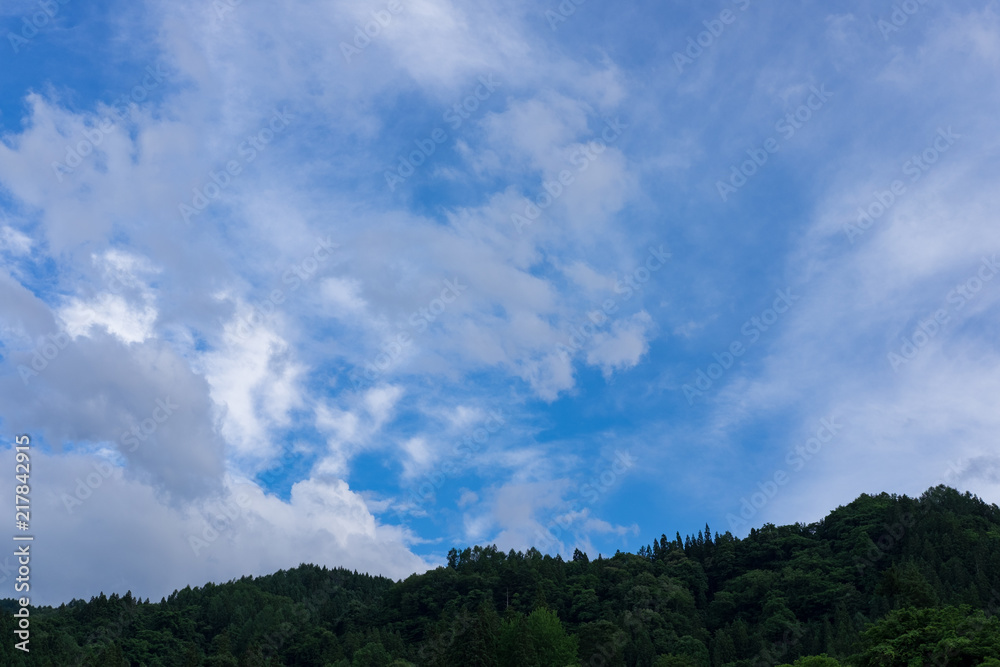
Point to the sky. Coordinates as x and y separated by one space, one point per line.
357 283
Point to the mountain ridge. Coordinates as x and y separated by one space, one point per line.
824 592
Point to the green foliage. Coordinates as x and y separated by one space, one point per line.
886 580
814 661
536 640
372 654
954 636
674 661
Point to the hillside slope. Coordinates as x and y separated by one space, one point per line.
922 570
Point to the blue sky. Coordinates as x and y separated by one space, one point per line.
566 275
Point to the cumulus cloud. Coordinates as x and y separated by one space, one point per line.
118 526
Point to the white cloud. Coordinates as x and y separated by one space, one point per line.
239 532
467 497
419 456
344 295
112 313
601 526
254 380
14 242
860 303
380 402
623 345
355 429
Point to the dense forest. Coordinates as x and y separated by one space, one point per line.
885 580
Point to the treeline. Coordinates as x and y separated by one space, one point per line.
886 580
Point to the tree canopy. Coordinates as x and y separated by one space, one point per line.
886 580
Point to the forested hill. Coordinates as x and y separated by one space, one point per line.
885 580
